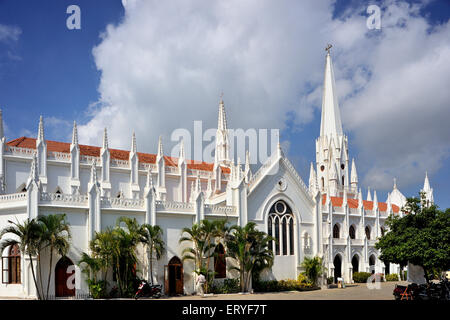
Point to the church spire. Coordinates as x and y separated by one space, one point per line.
222 120
331 119
222 152
429 198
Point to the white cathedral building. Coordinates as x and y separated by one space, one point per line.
94 186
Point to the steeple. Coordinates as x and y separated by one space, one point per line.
331 119
222 152
429 198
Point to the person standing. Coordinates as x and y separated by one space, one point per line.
201 280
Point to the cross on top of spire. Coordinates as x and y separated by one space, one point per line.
327 49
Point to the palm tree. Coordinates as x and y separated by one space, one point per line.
155 243
313 268
55 236
201 235
28 236
250 248
124 252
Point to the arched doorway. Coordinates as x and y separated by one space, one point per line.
220 264
337 267
62 276
355 263
372 264
173 277
386 267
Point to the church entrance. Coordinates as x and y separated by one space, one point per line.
386 267
355 263
62 277
173 277
372 264
337 267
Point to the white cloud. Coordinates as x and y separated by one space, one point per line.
166 63
9 33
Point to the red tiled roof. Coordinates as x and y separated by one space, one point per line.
55 146
353 203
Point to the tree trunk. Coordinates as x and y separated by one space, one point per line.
49 271
34 278
151 266
40 274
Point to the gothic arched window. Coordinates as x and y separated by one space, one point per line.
336 231
11 265
281 228
382 231
367 232
343 180
351 232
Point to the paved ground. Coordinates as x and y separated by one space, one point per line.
357 291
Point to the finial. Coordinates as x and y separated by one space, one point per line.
41 129
221 97
105 139
75 134
327 49
395 183
133 143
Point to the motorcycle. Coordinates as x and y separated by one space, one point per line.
431 291
147 290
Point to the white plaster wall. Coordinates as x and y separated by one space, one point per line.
58 176
120 181
17 173
109 217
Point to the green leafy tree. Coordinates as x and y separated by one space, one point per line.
28 238
56 237
421 237
249 247
313 268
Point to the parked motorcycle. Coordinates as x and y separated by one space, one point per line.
431 291
147 290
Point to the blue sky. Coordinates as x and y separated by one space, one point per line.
50 70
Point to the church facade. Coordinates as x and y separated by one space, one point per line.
94 186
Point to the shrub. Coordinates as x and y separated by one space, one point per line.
302 278
392 277
283 285
228 286
330 280
361 277
97 288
